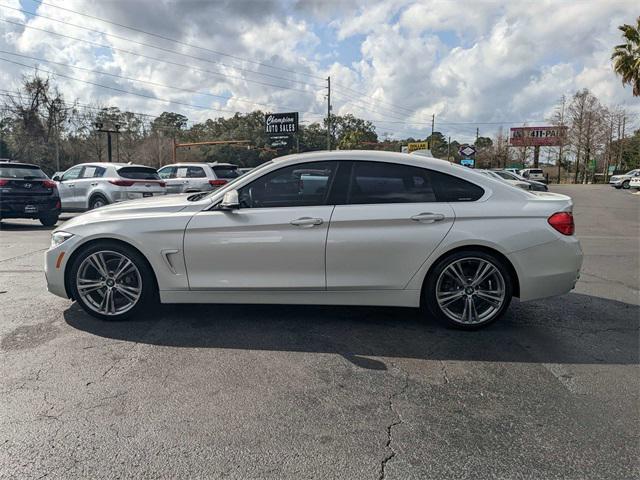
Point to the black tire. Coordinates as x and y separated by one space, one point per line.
149 290
625 184
97 201
49 220
431 284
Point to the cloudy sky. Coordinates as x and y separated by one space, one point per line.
472 63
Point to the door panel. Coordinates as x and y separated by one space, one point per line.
381 246
67 189
258 248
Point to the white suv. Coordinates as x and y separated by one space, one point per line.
92 185
533 174
197 177
624 180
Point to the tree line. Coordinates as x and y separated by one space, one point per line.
38 125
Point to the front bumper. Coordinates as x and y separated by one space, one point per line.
56 261
548 270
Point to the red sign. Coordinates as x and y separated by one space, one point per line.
537 136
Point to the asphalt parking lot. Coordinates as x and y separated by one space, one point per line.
284 392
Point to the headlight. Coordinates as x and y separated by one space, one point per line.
58 238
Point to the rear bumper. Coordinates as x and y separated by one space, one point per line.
548 270
25 207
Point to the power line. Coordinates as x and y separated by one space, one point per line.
141 81
168 50
410 110
255 62
99 45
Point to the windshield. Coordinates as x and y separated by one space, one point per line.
23 172
228 186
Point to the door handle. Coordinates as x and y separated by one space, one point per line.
94 184
306 222
428 217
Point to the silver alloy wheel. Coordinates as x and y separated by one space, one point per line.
470 290
109 282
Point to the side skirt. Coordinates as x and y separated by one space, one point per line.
392 298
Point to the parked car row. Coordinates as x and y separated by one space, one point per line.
27 192
508 176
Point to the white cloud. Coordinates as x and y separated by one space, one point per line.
465 61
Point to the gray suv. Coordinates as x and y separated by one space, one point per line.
92 185
197 177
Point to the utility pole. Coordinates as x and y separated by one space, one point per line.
99 128
477 134
449 149
562 137
433 124
329 113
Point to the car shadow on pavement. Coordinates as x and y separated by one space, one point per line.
574 328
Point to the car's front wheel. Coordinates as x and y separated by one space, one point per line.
625 184
112 281
468 289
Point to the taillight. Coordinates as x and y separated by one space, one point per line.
122 183
563 222
162 184
58 204
49 184
3 182
217 183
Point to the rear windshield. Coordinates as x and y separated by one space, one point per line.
139 173
226 172
24 172
535 170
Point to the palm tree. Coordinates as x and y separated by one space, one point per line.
626 57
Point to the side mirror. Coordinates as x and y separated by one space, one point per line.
230 201
57 178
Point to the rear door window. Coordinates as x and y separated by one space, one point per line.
195 172
92 171
377 182
139 173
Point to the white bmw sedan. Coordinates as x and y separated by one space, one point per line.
339 228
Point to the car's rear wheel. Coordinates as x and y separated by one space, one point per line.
468 289
49 220
97 201
112 281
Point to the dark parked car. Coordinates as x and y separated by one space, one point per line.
27 192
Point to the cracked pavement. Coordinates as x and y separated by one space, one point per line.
277 392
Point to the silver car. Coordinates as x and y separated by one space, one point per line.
197 177
92 185
622 181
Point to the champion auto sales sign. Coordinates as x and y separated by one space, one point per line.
281 123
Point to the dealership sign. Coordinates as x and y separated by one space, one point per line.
413 146
537 136
281 123
468 162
